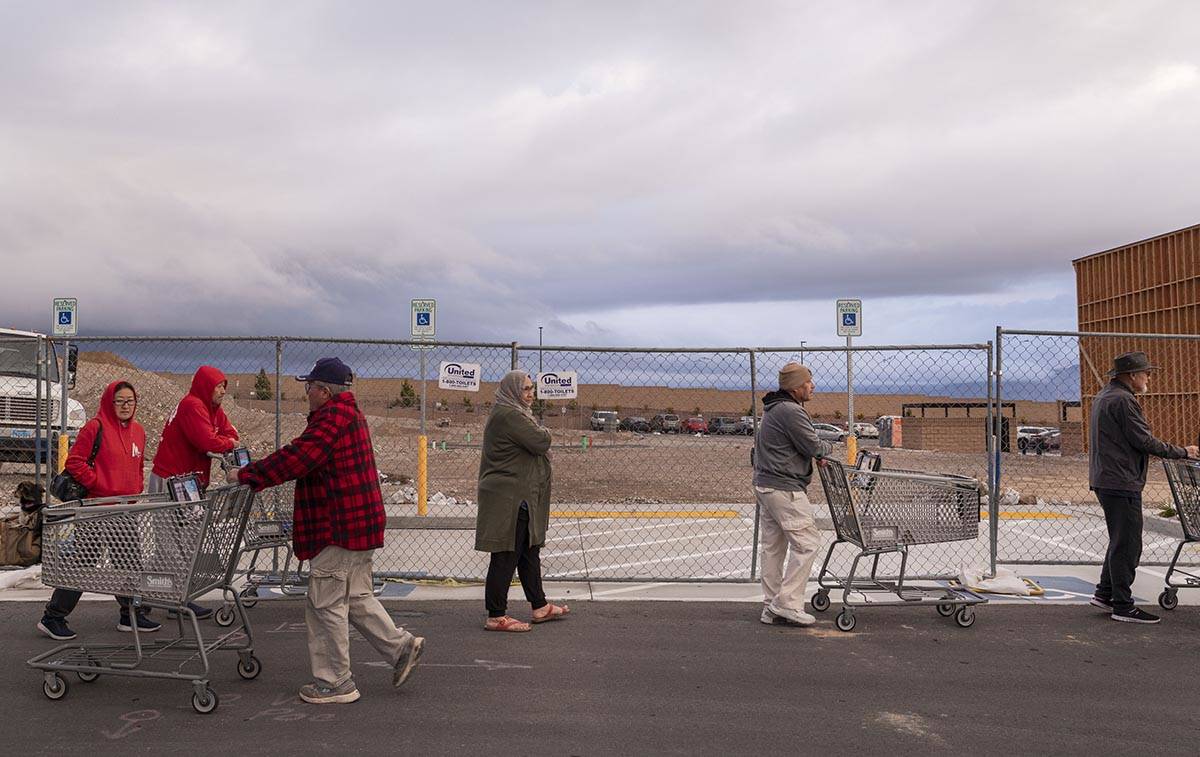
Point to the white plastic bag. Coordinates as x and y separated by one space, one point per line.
27 578
1005 582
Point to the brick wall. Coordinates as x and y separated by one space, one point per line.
946 434
1072 438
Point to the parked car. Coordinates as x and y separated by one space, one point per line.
745 425
1038 439
695 425
866 431
635 423
667 423
830 433
604 420
722 425
1027 436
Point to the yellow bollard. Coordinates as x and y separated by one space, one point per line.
64 444
422 475
851 449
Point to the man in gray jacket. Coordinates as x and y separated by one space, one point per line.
784 451
1119 448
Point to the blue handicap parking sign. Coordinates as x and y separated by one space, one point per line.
848 319
422 319
64 318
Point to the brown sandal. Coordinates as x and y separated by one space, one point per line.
556 612
507 625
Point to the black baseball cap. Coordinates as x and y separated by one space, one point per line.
331 370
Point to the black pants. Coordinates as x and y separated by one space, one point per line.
1123 516
526 560
63 601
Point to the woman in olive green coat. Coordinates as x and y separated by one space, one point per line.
514 504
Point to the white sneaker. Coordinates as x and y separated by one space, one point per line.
799 617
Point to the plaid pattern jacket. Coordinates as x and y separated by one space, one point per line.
338 500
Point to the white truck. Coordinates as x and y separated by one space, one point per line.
20 438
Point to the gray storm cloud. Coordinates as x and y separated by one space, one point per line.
309 167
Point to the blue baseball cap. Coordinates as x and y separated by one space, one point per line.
331 370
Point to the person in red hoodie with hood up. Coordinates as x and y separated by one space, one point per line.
116 471
198 426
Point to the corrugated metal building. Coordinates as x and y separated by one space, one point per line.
1150 287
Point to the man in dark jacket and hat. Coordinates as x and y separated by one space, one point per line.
1119 448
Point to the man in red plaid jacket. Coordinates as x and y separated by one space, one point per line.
338 524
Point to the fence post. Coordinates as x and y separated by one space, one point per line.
754 426
994 503
278 381
39 442
514 356
990 445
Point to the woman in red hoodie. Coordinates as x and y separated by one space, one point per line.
198 426
116 471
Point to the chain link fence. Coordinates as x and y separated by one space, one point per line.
933 407
1046 384
652 471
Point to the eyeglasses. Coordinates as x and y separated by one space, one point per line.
124 403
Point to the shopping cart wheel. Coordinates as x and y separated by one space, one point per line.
820 601
845 621
204 702
1169 599
54 686
224 616
88 676
965 617
249 668
249 596
946 609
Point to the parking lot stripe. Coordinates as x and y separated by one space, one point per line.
589 550
645 514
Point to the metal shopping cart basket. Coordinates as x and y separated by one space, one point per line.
268 535
1184 478
884 512
159 553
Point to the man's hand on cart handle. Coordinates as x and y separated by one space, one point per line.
1193 451
231 475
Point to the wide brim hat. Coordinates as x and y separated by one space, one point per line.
1131 362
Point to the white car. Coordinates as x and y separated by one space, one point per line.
827 432
866 431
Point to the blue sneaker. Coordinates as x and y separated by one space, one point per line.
144 624
56 628
201 612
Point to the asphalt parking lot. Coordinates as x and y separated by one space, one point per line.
654 678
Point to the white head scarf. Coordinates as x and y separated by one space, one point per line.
508 393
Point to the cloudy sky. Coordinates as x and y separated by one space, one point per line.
687 173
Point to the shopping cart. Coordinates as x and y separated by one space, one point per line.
159 553
886 512
1184 478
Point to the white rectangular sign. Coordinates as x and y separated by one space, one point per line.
66 316
462 377
558 385
424 317
849 317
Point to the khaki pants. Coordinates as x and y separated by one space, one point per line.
786 520
340 595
